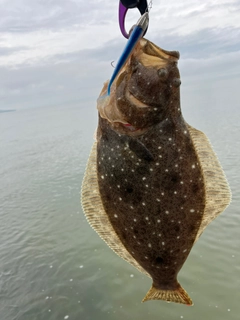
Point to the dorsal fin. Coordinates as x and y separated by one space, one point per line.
96 215
218 194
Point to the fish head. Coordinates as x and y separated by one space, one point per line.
145 92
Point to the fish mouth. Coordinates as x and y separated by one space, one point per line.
111 107
148 53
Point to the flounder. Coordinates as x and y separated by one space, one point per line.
152 182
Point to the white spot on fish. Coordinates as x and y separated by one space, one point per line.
143 203
134 219
162 193
131 207
158 200
167 212
192 210
102 177
158 221
166 170
163 243
115 215
144 178
146 257
178 237
118 186
146 185
157 163
176 165
170 139
193 166
175 192
159 147
184 250
147 218
149 245
120 198
181 182
185 132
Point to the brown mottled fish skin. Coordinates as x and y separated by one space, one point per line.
150 178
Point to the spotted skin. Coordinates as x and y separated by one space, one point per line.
154 206
153 183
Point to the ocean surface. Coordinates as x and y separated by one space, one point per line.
53 266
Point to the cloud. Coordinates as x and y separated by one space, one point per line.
56 52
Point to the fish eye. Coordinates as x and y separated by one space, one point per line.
162 72
176 82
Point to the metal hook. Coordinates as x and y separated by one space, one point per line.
124 5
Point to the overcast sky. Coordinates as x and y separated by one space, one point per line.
56 52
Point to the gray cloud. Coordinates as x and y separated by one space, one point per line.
28 15
5 51
209 56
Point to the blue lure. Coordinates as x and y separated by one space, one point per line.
137 32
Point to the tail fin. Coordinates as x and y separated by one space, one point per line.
179 295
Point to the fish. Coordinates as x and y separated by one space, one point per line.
152 182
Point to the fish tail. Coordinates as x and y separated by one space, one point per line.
179 295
